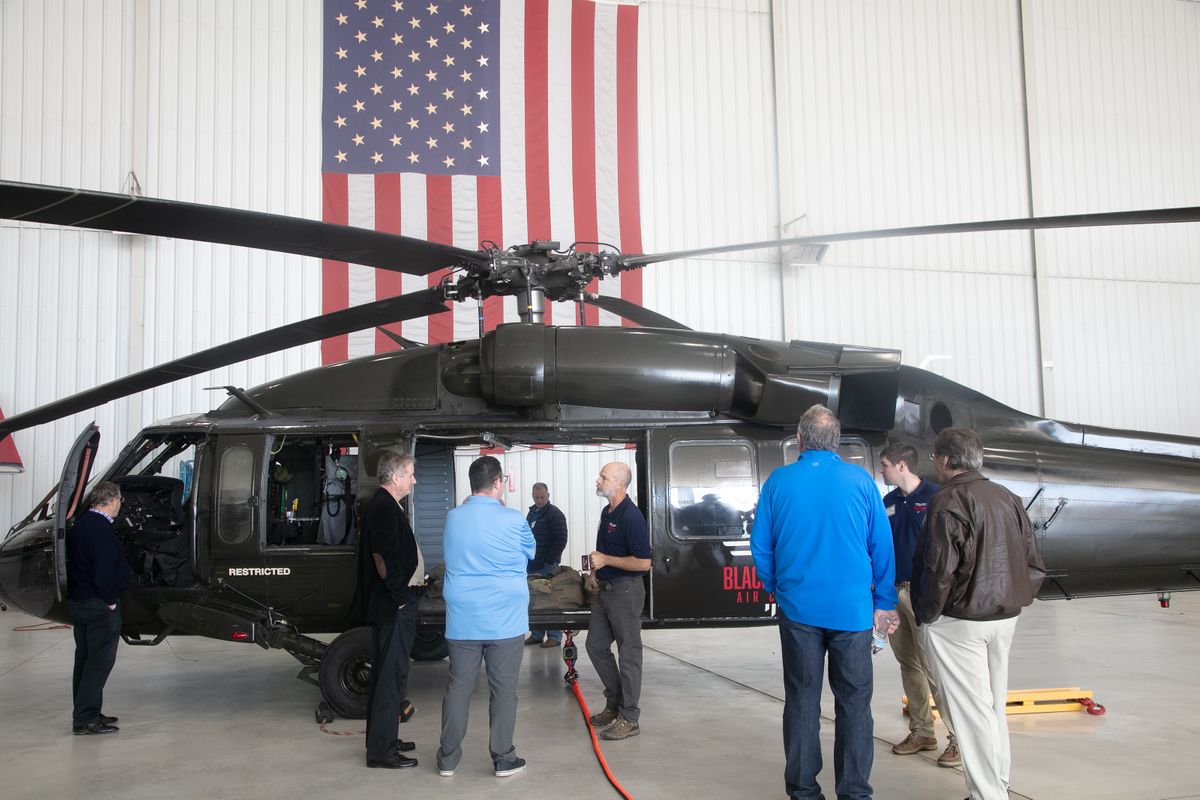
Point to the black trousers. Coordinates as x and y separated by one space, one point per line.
394 636
97 632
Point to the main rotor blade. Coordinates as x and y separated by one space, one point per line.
394 309
633 312
1146 217
202 223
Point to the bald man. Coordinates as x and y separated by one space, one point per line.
622 556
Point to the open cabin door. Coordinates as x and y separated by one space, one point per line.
706 485
69 503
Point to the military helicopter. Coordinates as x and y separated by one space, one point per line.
239 522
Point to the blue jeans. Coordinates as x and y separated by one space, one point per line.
850 677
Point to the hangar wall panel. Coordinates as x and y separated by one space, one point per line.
65 296
963 325
898 114
1114 109
708 168
214 102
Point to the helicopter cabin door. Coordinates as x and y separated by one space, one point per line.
70 501
700 525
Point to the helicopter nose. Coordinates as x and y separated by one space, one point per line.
27 578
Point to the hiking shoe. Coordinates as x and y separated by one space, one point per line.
548 643
950 756
513 769
621 729
606 717
915 743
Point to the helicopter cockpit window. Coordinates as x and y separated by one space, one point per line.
312 482
852 450
713 489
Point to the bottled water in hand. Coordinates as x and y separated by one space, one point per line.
879 640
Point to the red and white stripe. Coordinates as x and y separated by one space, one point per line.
569 172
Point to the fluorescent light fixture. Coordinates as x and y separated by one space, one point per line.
806 254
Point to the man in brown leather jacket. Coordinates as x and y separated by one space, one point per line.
975 568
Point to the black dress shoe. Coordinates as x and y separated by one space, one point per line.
107 720
393 761
94 729
401 746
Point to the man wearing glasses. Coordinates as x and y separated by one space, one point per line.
976 567
486 549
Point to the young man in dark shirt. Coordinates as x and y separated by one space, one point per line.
907 506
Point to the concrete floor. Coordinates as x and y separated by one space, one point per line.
209 719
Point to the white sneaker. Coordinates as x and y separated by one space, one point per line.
446 773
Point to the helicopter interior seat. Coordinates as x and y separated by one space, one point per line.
152 526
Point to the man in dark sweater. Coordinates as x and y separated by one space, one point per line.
549 526
97 573
392 573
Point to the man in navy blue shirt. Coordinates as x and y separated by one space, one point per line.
549 526
97 573
822 547
906 507
621 557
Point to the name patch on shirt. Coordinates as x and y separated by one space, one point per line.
891 511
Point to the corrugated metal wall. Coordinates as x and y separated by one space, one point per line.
756 118
212 102
1114 113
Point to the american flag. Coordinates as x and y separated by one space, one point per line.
499 121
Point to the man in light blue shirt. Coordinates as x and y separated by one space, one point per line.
486 548
823 546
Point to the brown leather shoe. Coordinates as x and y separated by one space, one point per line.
604 718
950 756
914 744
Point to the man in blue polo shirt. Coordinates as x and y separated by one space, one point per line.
621 557
486 548
821 544
906 506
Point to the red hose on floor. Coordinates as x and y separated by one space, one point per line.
596 742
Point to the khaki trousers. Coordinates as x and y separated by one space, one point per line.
914 671
969 659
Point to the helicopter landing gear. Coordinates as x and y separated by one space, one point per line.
345 673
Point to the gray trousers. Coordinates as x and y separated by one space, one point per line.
503 659
617 617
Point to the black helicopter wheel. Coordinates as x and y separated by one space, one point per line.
345 673
430 645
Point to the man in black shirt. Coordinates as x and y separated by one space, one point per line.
392 572
97 573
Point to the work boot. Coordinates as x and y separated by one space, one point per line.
950 756
915 743
604 718
621 729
